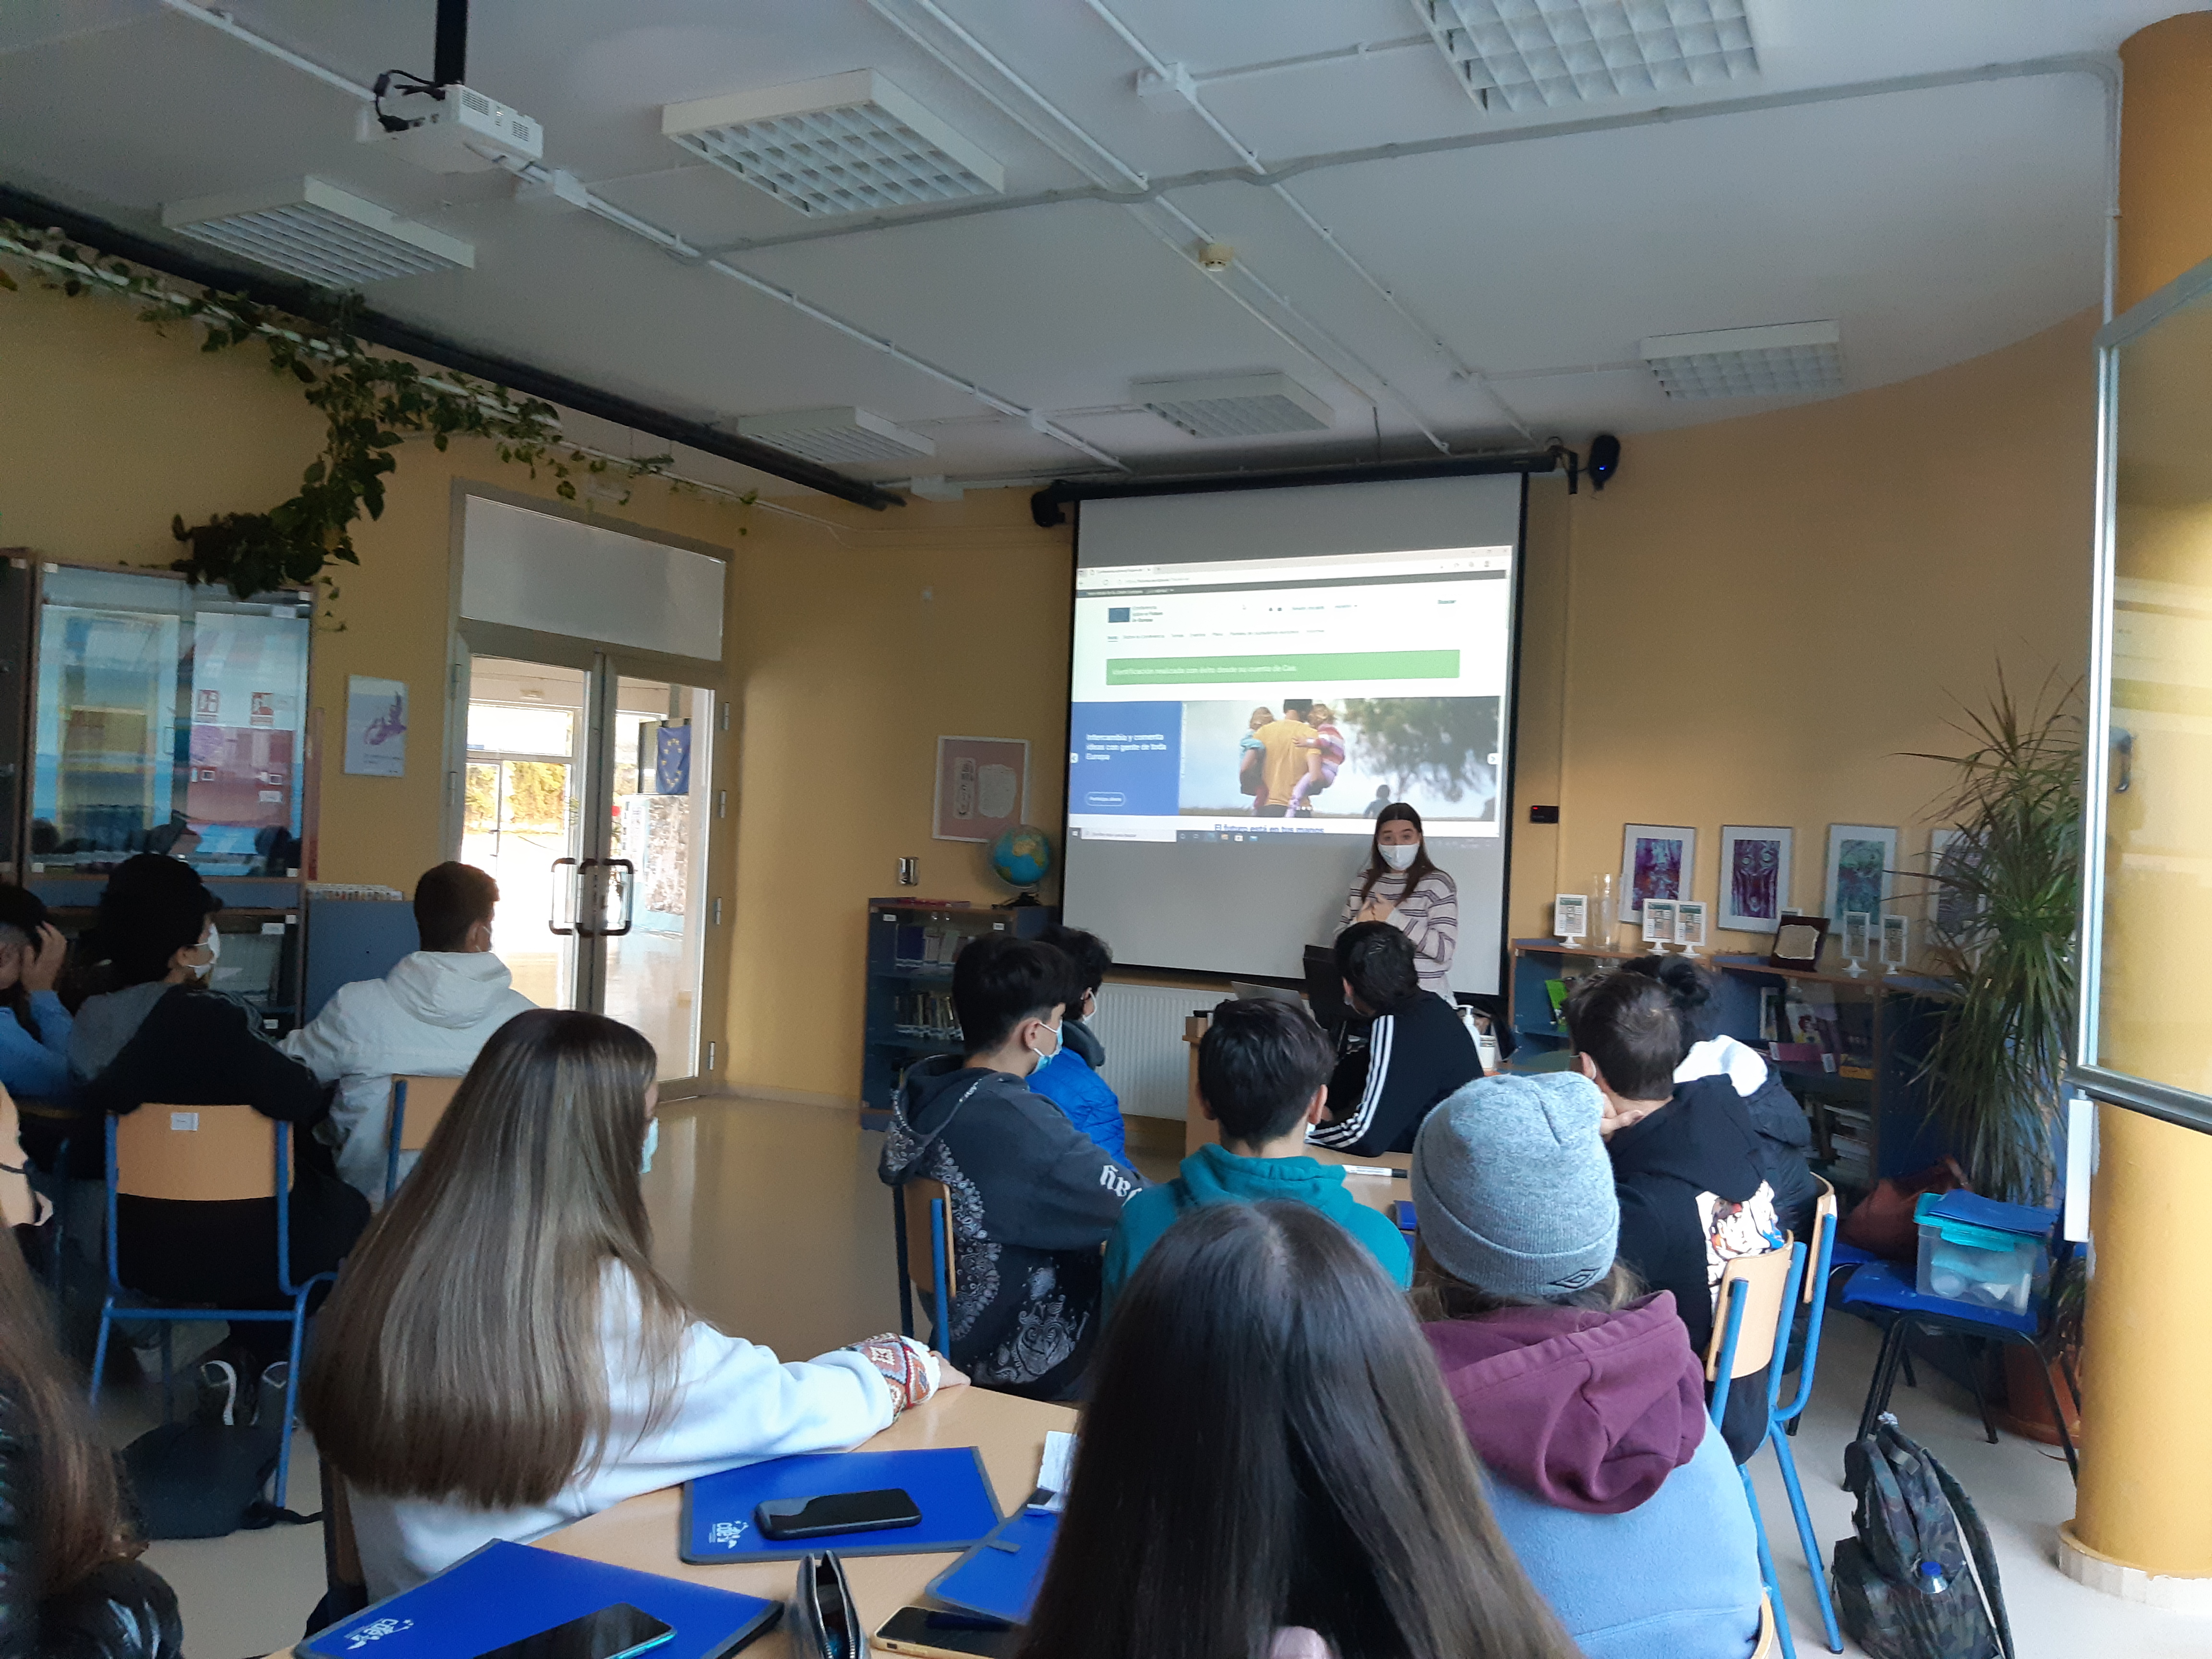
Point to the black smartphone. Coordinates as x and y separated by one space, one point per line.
931 1633
837 1511
612 1632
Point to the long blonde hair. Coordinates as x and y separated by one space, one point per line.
460 1357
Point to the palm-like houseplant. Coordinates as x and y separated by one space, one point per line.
2009 890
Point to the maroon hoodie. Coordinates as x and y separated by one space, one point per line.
1584 1410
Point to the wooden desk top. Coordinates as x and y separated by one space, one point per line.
640 1532
1376 1191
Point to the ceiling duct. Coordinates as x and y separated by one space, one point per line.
1514 55
836 436
1787 360
845 143
313 230
1236 405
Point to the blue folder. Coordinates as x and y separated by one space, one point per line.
947 1483
1000 1576
505 1592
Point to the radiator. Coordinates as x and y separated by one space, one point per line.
1147 1062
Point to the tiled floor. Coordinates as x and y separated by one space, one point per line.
770 1217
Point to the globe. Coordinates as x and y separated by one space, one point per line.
1022 856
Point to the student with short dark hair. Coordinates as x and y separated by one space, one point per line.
1688 1171
1033 1197
1269 1466
1580 1397
1418 1051
1070 1079
1712 1060
1263 1072
429 1017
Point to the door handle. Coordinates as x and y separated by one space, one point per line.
584 870
553 920
629 895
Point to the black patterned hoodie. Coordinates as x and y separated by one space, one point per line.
1033 1199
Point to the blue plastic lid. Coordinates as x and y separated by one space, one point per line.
1978 1212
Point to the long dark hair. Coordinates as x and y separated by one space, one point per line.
1376 869
76 1512
1268 1444
460 1358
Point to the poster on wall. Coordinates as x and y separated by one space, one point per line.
1861 868
376 727
982 787
1657 860
1754 876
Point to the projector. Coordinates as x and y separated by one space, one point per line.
453 129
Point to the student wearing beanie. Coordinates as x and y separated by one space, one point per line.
1579 1394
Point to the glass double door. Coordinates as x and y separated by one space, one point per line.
585 798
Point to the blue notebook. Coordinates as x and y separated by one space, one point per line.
1001 1575
505 1592
947 1483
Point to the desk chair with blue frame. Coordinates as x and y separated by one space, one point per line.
203 1155
419 1104
1758 1300
921 1228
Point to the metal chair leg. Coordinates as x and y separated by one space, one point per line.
1910 1381
100 1348
1811 1543
906 1283
1766 1567
1974 1357
2057 1416
283 1499
1884 1378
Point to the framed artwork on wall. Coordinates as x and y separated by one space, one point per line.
1861 868
1949 910
1657 860
1754 876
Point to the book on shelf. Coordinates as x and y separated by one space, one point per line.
1557 990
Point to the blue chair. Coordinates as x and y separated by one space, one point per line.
923 1229
1758 1298
1782 1420
203 1154
429 1096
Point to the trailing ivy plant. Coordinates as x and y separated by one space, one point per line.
371 403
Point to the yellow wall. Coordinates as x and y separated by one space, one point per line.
1764 614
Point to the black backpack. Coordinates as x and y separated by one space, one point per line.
1911 1510
203 1480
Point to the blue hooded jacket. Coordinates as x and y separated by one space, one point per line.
1069 1083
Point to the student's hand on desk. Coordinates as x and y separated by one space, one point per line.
946 1377
42 962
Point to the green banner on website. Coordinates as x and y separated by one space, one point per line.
1307 665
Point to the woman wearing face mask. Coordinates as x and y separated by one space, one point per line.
1399 886
1033 1197
158 1034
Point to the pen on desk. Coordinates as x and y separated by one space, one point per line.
1382 1170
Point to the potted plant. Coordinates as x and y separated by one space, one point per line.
2009 905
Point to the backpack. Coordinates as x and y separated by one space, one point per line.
1911 1510
202 1481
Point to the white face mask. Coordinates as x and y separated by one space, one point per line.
1400 858
213 946
652 1145
1042 1057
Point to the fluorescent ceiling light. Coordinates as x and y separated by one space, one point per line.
845 143
1789 360
306 228
1236 405
834 436
1536 54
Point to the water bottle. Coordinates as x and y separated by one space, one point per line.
1932 1582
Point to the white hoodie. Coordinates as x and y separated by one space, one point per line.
428 1016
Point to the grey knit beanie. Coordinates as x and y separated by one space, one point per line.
1512 1188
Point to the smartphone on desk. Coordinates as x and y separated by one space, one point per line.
784 1518
612 1632
933 1633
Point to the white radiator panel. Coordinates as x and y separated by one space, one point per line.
1147 1062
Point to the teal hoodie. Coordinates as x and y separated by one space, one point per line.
1214 1174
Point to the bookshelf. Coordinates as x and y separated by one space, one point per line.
1858 1081
911 946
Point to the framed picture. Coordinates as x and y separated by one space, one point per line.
1570 915
1659 921
1797 942
1657 861
1948 910
1895 941
982 787
1754 876
1861 868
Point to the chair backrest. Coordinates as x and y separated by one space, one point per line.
1765 1279
202 1154
920 1260
427 1100
1770 1638
1825 1214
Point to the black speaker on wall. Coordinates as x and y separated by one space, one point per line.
1604 459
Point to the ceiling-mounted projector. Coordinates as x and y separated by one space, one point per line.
450 129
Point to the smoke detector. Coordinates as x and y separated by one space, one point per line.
1236 406
833 436
312 229
1787 360
842 144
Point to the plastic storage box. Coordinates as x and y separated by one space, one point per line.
1978 1251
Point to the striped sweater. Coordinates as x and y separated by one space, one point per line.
1429 915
